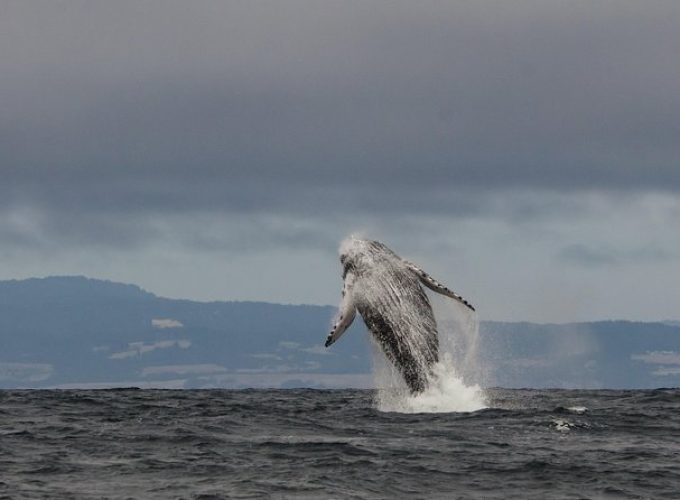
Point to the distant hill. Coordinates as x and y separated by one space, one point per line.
80 332
602 354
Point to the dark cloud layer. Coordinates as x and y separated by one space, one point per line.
118 116
156 97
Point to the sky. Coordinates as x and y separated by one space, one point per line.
525 153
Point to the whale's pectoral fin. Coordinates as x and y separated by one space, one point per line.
346 313
345 318
436 286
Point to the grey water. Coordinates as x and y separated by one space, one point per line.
336 444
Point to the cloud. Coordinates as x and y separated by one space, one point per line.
665 372
266 355
116 115
658 357
139 348
156 107
317 349
163 323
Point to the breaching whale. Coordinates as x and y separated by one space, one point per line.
387 292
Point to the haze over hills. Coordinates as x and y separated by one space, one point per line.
80 332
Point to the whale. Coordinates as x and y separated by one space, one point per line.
388 293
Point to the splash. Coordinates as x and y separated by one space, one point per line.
455 382
447 392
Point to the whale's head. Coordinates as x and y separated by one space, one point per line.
358 255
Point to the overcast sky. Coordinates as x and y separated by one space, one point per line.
525 153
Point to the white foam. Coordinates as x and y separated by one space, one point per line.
447 392
562 425
454 383
579 410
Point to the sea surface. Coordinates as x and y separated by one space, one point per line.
335 444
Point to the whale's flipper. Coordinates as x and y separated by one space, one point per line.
435 286
346 312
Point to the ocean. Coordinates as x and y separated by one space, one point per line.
205 444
